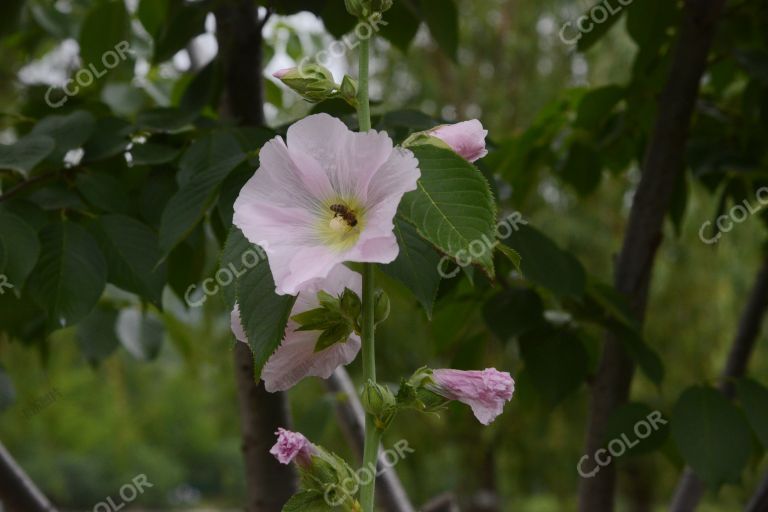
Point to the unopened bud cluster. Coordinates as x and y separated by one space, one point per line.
363 8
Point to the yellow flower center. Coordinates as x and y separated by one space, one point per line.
341 224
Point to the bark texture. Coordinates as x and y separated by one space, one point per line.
17 492
690 489
269 484
663 163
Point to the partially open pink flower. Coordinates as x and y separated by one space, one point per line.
296 357
327 196
292 446
466 138
485 391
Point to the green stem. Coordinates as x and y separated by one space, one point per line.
372 433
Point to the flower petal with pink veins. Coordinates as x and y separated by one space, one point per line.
327 196
296 358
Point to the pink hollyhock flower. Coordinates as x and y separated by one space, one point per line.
292 446
296 357
326 196
485 391
466 138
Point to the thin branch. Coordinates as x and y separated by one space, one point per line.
17 491
759 502
690 489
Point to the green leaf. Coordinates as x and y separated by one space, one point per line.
7 390
642 429
587 39
402 25
217 148
69 131
596 105
754 398
26 153
153 154
110 138
204 88
237 256
188 206
165 119
647 22
141 334
104 27
97 335
308 501
263 313
337 333
545 264
104 192
186 264
582 168
452 207
442 18
133 256
416 265
514 312
712 435
182 23
556 363
22 248
152 13
70 275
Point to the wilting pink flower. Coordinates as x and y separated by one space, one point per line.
292 446
485 391
296 357
466 138
327 196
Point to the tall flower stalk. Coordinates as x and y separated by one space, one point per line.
372 433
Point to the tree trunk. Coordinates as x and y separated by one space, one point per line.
17 492
663 163
269 484
389 490
690 489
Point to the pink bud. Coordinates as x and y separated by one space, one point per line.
466 138
292 445
279 74
485 391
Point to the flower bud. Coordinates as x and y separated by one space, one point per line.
312 81
348 90
362 9
350 304
379 402
381 307
466 138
